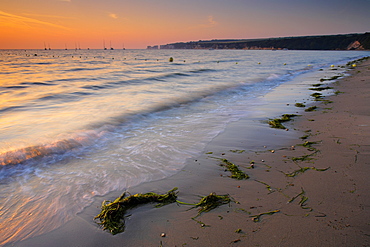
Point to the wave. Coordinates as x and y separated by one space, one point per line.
24 154
146 80
14 87
98 129
38 83
81 69
10 108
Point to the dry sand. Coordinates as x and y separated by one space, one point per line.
313 208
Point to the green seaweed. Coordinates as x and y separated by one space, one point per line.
338 92
202 224
331 78
302 158
304 137
320 88
269 188
304 169
317 96
112 215
212 201
295 197
317 85
300 105
277 122
308 145
312 108
302 202
236 173
257 217
237 151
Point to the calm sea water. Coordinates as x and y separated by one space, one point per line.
77 124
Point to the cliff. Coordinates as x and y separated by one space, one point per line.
324 42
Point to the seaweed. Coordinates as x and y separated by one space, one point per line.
317 96
277 122
303 200
317 85
212 201
269 188
308 145
300 105
331 78
112 215
237 151
257 217
338 92
320 88
312 108
236 173
302 158
304 169
304 137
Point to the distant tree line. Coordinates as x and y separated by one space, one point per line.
325 42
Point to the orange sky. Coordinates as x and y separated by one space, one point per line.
28 24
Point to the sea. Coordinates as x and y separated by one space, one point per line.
78 124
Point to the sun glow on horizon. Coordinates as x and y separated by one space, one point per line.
28 24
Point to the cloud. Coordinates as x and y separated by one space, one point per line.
25 21
48 16
209 23
114 16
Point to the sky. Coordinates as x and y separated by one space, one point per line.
135 24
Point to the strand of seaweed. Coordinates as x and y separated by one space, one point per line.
113 214
236 173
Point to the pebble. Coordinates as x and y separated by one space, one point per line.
163 234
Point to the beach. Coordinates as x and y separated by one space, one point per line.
308 185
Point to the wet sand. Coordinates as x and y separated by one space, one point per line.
324 202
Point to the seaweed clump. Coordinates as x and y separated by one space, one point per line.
300 105
277 122
320 88
331 78
212 201
311 108
317 96
234 169
112 215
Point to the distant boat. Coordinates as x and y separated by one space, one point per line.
104 45
123 47
110 44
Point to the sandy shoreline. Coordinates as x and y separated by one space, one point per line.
326 208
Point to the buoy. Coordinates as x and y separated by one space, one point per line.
259 63
171 59
284 63
332 65
236 63
354 65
